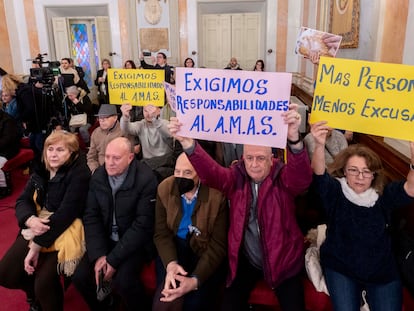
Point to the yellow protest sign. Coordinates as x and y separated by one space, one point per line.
138 87
366 97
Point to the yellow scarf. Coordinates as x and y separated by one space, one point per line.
70 245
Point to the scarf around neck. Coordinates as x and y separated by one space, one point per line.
367 198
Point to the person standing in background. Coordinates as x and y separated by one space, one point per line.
102 82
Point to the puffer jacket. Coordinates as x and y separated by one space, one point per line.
281 239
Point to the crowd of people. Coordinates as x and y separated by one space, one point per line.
215 217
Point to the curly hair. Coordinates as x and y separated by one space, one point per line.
10 82
373 161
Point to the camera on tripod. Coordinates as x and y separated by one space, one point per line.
46 72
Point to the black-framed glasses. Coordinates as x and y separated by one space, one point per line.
353 171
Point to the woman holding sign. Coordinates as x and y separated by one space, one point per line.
357 253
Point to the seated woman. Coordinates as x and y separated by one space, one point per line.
48 211
357 253
78 103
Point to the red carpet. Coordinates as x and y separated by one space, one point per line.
15 300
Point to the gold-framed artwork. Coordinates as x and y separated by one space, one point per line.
344 21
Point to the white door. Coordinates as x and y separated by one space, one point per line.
87 41
228 35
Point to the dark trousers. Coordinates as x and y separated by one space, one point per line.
203 299
43 286
126 283
289 294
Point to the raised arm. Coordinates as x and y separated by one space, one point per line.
409 184
174 127
319 131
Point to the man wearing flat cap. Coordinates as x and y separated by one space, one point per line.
108 129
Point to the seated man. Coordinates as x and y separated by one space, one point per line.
108 129
119 228
191 238
155 139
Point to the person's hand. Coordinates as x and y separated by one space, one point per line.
313 56
75 101
125 109
100 264
319 132
187 284
152 112
38 225
174 127
173 269
293 119
31 259
331 40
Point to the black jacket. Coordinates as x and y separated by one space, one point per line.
168 71
134 209
9 136
64 195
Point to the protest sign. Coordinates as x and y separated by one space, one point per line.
170 95
313 43
234 106
366 97
137 87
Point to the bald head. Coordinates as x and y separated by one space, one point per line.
118 155
184 169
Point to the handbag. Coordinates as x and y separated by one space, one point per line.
78 120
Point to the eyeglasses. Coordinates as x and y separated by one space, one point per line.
259 159
353 171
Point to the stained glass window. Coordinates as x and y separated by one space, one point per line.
80 49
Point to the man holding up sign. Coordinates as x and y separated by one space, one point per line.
264 240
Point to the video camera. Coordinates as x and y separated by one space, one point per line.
46 72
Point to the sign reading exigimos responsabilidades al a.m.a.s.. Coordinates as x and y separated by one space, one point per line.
138 87
234 106
366 97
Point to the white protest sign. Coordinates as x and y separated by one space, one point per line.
233 106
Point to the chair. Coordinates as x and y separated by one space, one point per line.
314 301
24 157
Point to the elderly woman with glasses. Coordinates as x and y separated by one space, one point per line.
357 253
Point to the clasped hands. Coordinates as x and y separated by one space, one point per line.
177 283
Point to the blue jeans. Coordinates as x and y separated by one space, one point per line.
346 293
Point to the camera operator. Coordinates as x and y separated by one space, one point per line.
38 103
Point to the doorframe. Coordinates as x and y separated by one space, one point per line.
43 22
199 7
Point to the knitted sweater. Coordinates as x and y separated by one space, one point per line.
357 243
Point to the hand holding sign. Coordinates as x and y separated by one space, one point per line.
125 109
174 126
293 120
320 132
